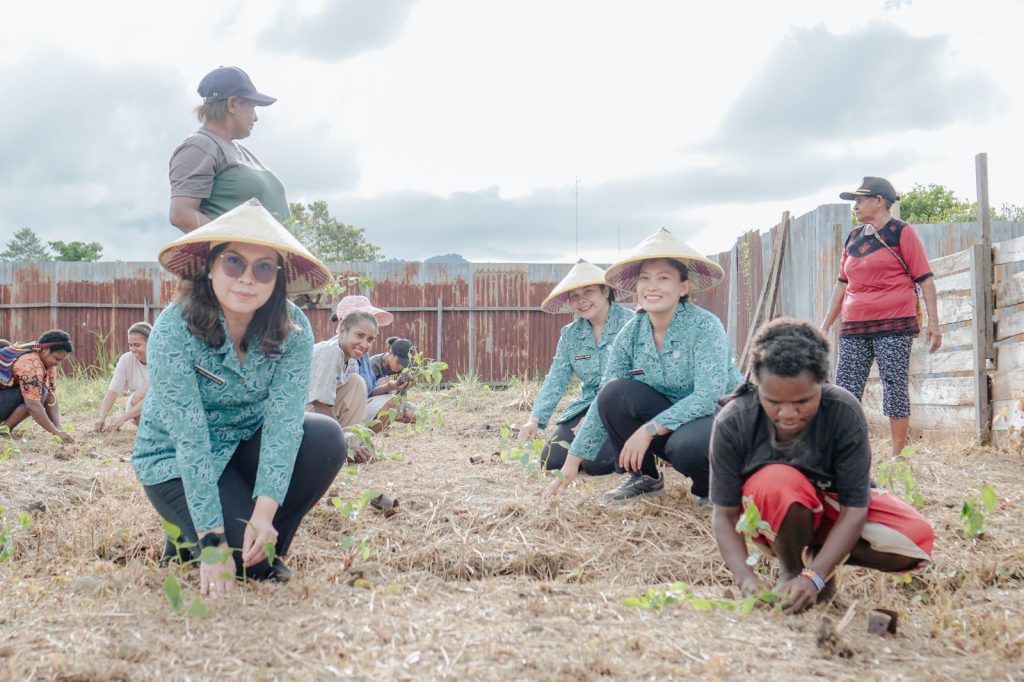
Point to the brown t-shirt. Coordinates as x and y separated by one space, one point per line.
833 451
202 157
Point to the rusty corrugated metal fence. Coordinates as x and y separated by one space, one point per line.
481 318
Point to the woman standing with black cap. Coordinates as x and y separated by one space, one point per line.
210 173
883 264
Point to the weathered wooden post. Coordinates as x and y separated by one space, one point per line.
982 279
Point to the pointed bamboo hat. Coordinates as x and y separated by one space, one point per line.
704 273
249 223
582 274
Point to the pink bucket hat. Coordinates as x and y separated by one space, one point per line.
351 304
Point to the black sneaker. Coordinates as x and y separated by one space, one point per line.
636 485
280 573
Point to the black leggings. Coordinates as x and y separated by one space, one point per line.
555 454
626 404
318 461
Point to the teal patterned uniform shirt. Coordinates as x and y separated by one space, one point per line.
580 354
693 369
191 425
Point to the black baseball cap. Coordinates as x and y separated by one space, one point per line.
230 81
872 187
400 348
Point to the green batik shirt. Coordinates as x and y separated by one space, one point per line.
578 353
191 425
693 369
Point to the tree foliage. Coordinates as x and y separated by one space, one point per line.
328 238
938 204
77 251
25 246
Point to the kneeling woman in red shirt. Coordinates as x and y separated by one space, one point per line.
797 447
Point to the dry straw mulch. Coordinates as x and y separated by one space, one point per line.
476 577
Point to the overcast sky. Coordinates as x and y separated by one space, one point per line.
462 125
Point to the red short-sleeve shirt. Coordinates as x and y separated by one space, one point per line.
878 289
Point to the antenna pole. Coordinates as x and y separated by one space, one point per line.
577 217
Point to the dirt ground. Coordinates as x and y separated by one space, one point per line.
476 577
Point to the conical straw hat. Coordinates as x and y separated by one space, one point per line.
703 272
582 274
249 223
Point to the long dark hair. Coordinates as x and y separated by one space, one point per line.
270 324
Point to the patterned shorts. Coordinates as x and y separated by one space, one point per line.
857 353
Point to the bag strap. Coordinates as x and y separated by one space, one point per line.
894 254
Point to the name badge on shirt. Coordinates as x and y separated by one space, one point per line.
208 374
583 357
636 372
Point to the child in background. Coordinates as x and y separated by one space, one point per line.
392 385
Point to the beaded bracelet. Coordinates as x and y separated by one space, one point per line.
812 575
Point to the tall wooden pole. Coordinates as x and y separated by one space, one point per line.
982 280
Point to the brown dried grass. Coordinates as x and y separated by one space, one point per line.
477 577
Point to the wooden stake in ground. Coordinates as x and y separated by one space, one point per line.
769 299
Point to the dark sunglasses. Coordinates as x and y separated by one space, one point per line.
264 270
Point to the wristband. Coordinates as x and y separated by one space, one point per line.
212 540
812 575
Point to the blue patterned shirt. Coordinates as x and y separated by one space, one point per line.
693 369
580 354
191 425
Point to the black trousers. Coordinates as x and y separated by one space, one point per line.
626 404
318 461
10 400
554 454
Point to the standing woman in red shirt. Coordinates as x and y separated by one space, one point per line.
883 263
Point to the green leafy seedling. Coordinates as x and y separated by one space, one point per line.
750 525
172 588
678 593
972 513
989 498
198 608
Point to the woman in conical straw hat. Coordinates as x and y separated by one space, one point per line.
665 373
582 349
225 451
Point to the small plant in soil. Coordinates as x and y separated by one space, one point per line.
357 543
749 526
8 534
678 593
897 476
972 512
197 608
530 455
